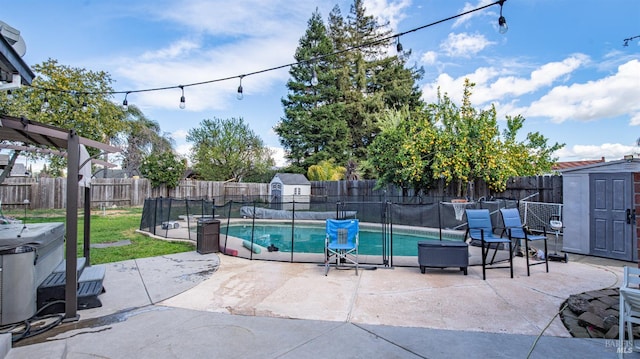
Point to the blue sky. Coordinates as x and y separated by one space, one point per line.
562 64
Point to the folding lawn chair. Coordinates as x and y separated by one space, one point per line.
341 242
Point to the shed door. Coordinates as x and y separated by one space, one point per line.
276 195
611 195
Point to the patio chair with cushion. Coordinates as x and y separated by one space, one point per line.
480 229
341 243
516 230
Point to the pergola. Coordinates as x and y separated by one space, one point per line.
37 137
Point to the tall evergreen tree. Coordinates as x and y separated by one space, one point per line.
312 129
358 80
375 80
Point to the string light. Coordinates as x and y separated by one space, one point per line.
84 106
314 78
240 95
182 102
626 41
502 22
125 103
9 95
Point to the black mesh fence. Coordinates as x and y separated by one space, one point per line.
294 231
163 216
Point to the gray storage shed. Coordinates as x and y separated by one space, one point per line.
600 203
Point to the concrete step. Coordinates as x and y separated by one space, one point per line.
89 288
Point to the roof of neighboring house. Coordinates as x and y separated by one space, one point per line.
292 179
561 166
624 165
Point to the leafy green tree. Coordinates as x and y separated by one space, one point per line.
69 98
403 153
228 150
163 168
140 138
326 170
456 144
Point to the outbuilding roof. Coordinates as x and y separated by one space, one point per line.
292 179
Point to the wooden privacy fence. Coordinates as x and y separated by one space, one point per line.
48 193
535 188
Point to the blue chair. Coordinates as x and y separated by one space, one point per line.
514 227
341 242
480 229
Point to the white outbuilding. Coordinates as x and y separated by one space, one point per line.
286 188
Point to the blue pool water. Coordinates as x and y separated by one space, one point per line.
310 239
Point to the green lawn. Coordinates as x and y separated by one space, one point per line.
111 225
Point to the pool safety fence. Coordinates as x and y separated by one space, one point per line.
385 223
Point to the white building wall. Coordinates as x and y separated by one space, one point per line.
575 213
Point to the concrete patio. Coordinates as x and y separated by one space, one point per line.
190 305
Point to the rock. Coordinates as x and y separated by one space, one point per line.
609 300
613 312
609 322
595 333
569 314
578 304
612 333
598 308
588 319
579 332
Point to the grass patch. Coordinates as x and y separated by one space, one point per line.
108 226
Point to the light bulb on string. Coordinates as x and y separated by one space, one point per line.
182 99
84 106
314 78
9 95
398 45
502 22
240 94
125 103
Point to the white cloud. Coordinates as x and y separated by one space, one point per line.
254 18
612 96
204 65
543 76
610 151
464 45
278 155
184 150
179 134
493 84
468 7
429 57
388 10
180 49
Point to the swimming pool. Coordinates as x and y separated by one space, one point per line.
310 238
